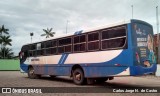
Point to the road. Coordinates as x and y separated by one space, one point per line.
17 79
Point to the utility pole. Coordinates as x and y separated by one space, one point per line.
132 11
31 34
158 46
67 26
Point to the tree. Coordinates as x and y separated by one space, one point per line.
48 33
6 53
5 40
3 30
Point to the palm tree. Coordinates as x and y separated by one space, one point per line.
3 30
5 40
48 33
6 53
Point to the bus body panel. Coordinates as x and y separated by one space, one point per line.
139 70
108 66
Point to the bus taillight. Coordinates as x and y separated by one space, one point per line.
117 64
20 55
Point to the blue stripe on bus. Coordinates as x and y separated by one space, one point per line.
63 58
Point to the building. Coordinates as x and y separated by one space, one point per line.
157 47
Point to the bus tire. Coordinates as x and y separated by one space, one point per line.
78 76
31 74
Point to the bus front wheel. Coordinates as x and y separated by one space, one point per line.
78 76
31 74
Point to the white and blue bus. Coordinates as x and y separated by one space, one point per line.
96 55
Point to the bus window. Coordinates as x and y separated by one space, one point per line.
60 49
79 43
114 38
93 41
48 51
39 46
39 52
93 36
65 45
64 41
79 47
25 48
112 33
113 43
43 52
33 47
48 44
53 50
30 53
34 53
43 45
54 43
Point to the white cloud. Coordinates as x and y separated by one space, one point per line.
25 16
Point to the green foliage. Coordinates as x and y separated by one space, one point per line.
48 33
3 30
5 53
5 40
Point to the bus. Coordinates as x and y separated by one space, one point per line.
95 55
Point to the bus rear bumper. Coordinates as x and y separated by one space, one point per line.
140 70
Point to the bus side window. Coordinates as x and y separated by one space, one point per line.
79 43
54 43
32 47
93 41
65 45
34 53
38 49
53 50
48 44
54 47
25 50
48 51
42 45
113 38
30 53
26 54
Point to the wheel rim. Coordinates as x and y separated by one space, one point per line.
78 76
31 72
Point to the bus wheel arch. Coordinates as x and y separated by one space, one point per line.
78 75
75 67
31 73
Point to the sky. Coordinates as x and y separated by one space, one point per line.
24 16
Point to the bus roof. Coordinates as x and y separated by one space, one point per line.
88 30
91 29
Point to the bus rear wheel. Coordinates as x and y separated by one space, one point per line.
31 74
78 76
